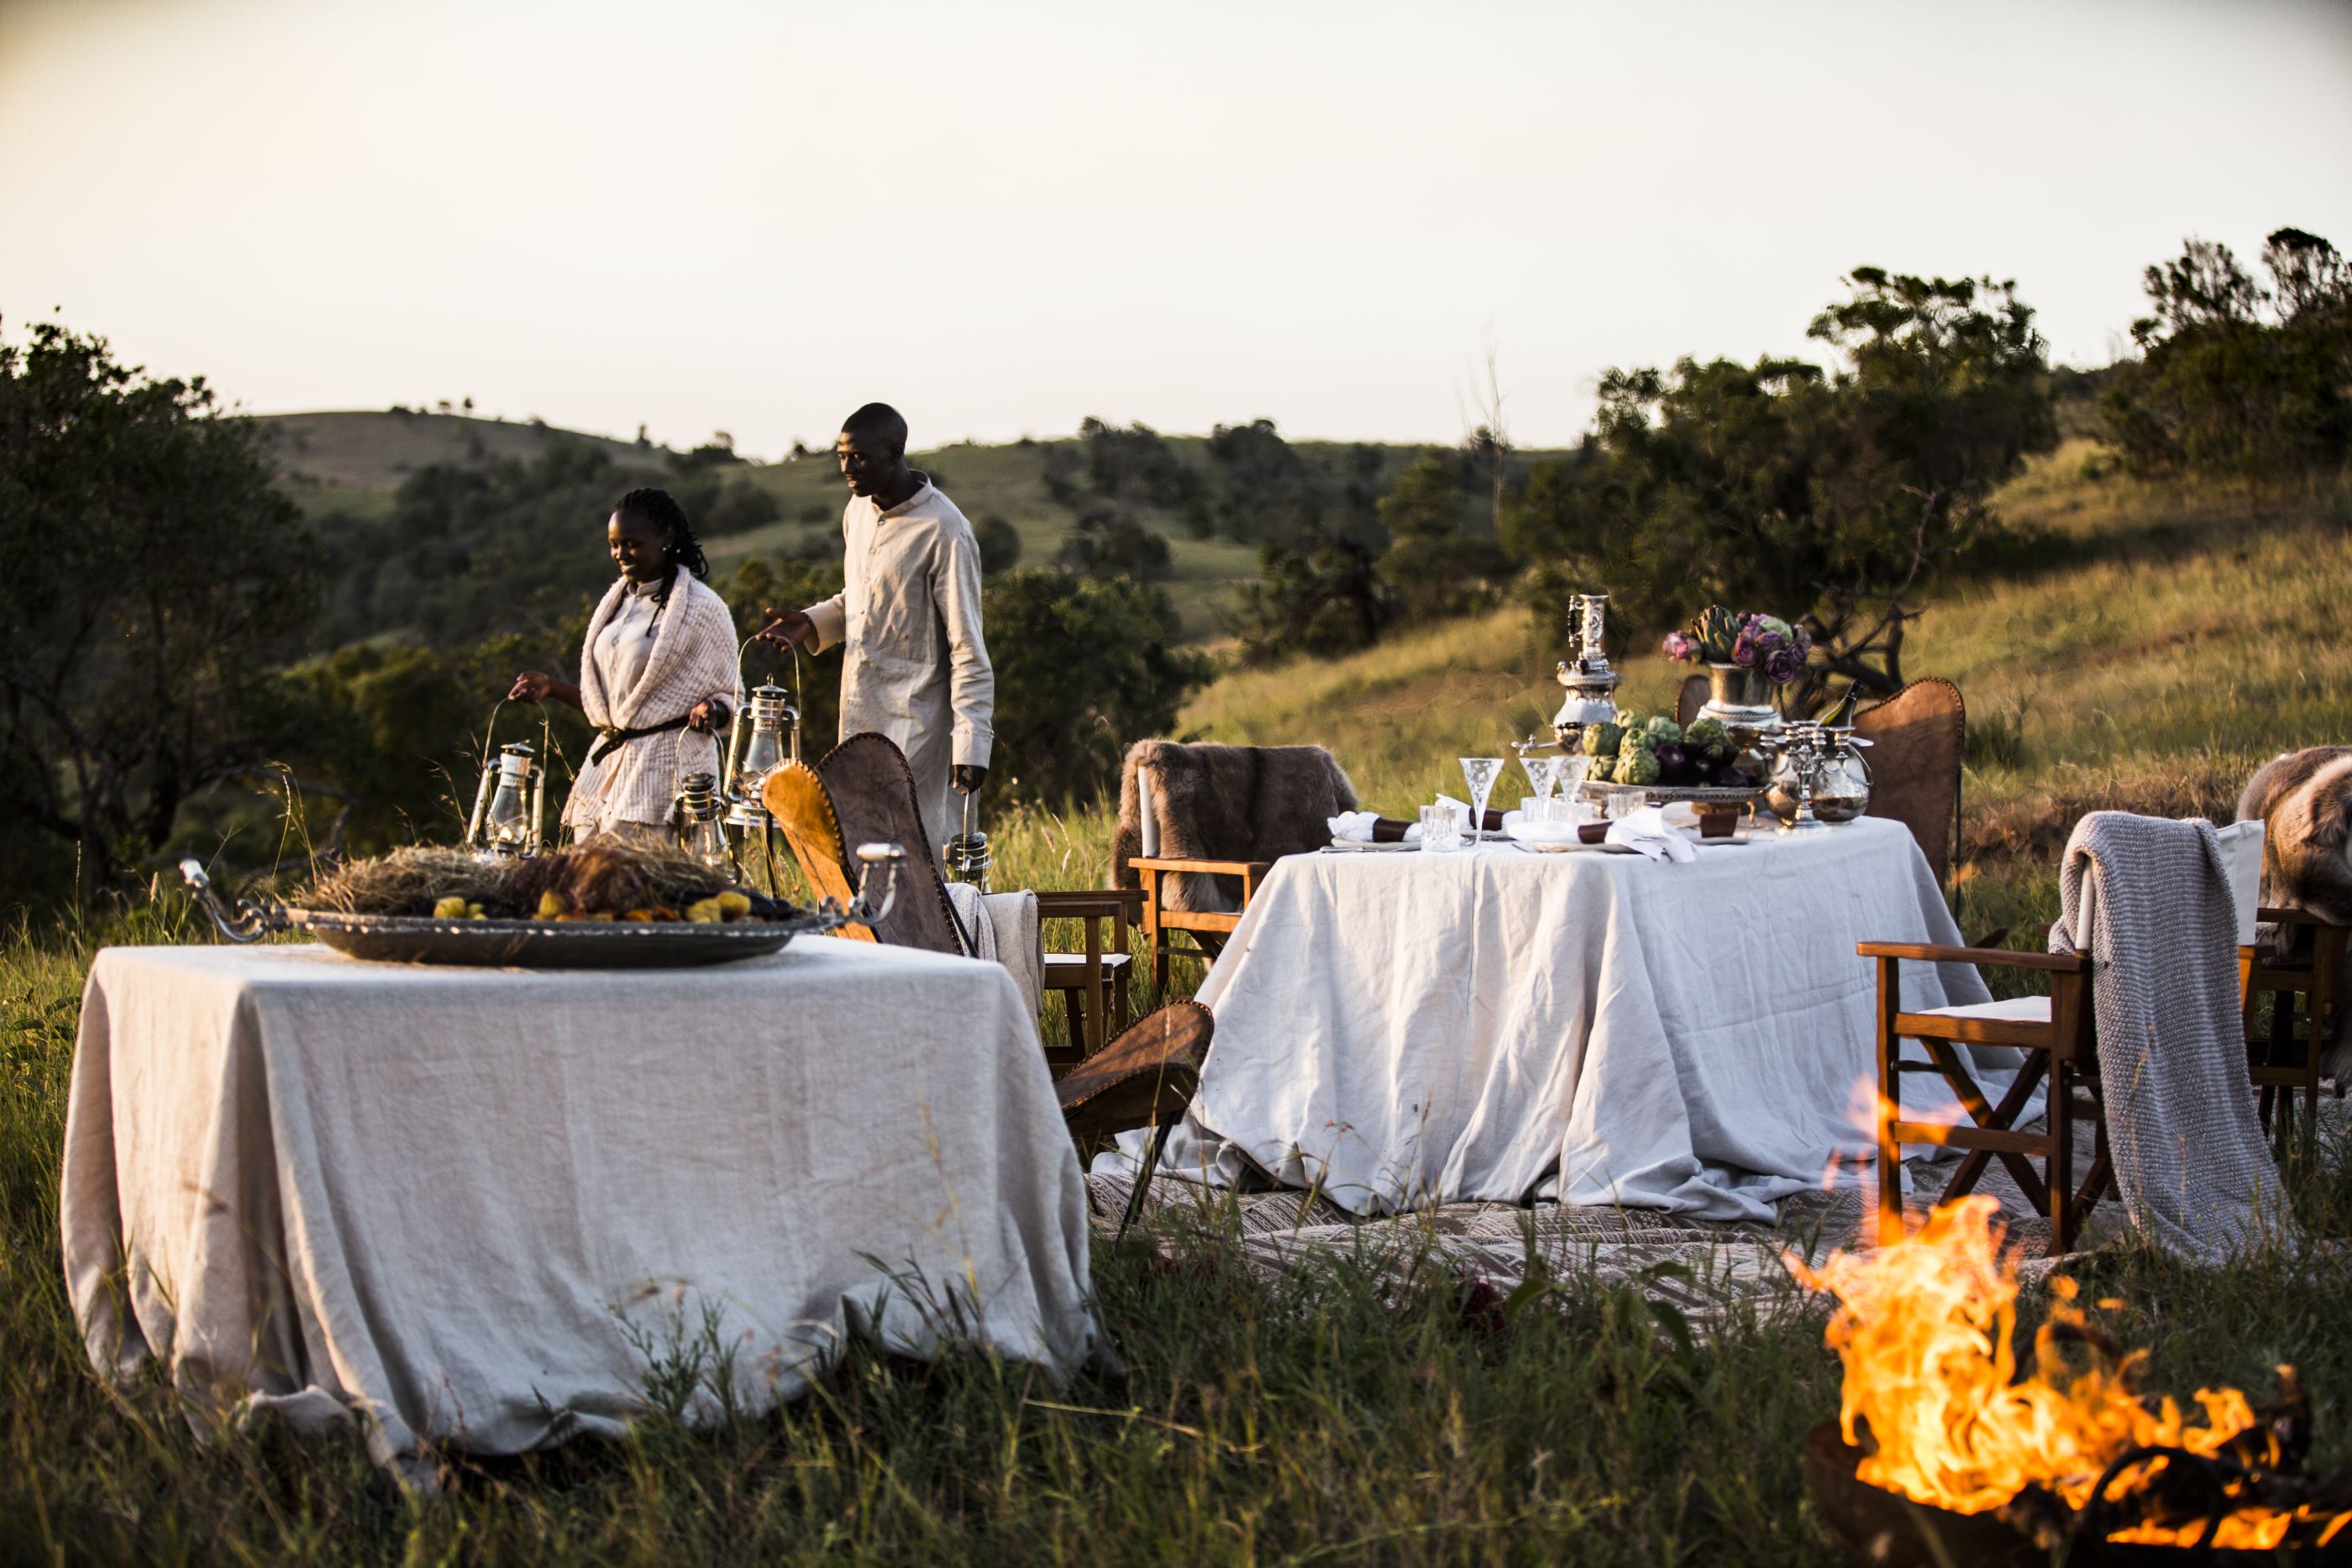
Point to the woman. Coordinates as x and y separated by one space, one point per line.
656 675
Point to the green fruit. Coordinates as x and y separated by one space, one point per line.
1664 731
1602 739
1636 766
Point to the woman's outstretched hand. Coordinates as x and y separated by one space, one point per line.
707 715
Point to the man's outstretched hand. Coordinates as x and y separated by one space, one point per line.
786 629
967 777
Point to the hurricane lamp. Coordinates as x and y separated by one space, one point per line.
767 734
508 805
698 808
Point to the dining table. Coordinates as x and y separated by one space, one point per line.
491 1209
1404 1028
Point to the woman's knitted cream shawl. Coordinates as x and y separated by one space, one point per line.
692 660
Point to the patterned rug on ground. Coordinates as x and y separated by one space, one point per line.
1702 1268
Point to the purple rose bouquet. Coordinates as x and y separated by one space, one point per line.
1751 641
1768 643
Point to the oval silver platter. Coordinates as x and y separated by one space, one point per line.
1694 794
545 944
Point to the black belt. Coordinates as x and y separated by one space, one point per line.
614 739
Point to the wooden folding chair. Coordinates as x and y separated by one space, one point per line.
1093 981
2306 990
1207 930
2056 1034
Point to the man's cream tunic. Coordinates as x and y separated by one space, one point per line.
916 667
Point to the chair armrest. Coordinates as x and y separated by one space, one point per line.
1253 869
1998 957
2295 917
1075 903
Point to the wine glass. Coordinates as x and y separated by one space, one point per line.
1480 773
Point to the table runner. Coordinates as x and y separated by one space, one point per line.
444 1198
1404 1029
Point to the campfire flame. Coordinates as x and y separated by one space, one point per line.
1925 1326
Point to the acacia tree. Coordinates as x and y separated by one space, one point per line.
1834 494
159 580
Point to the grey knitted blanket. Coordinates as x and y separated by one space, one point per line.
2190 1160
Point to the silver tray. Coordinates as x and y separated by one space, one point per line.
545 944
1692 794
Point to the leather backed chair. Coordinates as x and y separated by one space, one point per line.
1144 1077
1690 699
1918 738
863 791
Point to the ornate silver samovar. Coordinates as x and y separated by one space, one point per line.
1592 683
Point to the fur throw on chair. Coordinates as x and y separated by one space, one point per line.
1228 803
2304 801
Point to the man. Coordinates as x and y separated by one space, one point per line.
914 667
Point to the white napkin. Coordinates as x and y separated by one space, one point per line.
1650 832
1356 827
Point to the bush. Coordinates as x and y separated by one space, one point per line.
1084 668
1838 497
2236 378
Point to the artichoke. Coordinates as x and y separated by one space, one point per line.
1636 766
1708 738
1663 731
1602 739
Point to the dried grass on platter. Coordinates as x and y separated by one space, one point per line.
602 876
408 882
606 875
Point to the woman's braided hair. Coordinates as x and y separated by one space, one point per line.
660 509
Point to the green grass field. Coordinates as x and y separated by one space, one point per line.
2169 640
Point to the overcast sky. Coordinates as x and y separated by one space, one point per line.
1004 217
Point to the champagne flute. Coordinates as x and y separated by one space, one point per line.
1480 773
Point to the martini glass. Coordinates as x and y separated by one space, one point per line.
1573 772
1543 777
1480 773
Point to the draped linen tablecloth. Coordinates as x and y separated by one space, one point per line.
458 1203
1403 1029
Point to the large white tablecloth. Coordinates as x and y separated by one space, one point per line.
442 1198
1409 1029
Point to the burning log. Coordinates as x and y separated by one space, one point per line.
1946 1450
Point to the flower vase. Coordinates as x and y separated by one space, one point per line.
1740 697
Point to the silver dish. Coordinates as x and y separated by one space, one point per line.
545 944
1690 794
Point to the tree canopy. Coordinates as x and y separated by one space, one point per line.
160 578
